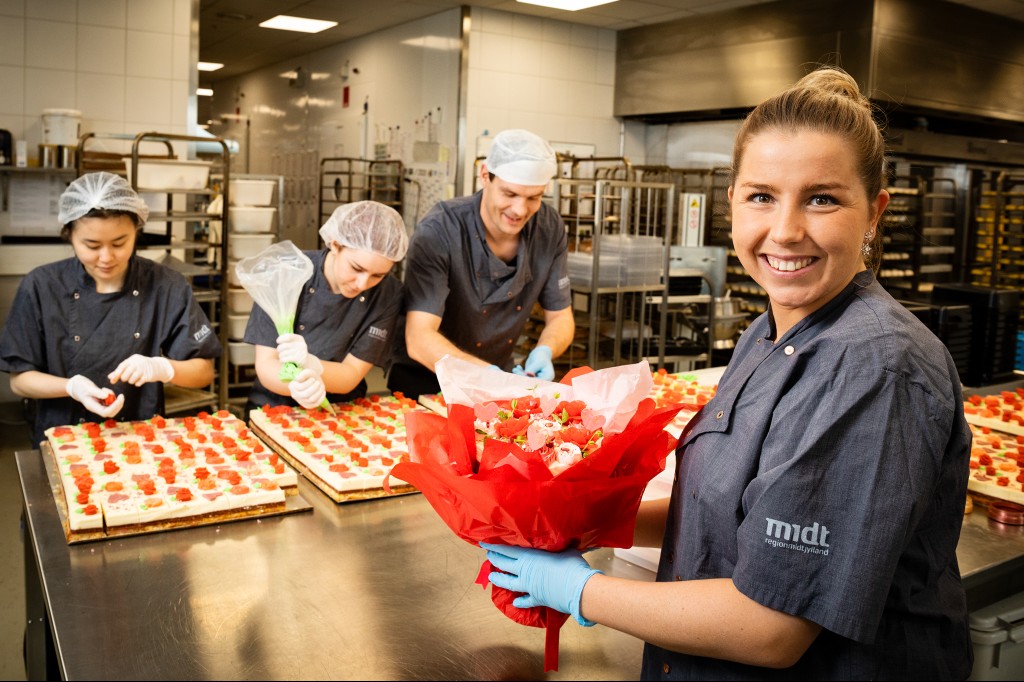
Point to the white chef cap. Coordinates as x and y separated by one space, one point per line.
100 190
522 158
370 226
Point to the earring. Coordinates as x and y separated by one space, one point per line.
866 249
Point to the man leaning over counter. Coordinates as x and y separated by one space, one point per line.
478 264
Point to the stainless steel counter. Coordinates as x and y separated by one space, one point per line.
369 590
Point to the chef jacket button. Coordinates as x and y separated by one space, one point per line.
135 292
789 350
77 296
510 294
362 299
302 327
678 578
77 337
312 290
760 340
81 420
136 335
666 668
721 413
478 344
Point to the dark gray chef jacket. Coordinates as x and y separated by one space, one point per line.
827 479
483 302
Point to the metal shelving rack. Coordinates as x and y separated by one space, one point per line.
344 180
203 254
635 315
996 256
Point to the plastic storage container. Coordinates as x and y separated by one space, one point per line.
251 218
241 353
168 174
239 302
997 633
245 245
251 192
236 326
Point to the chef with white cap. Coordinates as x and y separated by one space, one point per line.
97 335
478 264
345 316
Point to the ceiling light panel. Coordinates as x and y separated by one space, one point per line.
286 23
568 5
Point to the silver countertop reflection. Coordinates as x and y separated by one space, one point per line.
370 590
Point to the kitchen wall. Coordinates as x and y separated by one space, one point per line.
127 65
553 77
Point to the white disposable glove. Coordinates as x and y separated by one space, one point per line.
292 348
138 370
82 389
307 389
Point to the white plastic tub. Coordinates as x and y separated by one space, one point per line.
169 174
241 353
251 192
233 280
236 326
246 245
239 302
251 218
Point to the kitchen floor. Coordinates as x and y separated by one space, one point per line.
12 570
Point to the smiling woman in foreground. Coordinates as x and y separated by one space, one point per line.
819 495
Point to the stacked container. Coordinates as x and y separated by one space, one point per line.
624 261
251 221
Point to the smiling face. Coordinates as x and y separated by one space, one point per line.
104 246
800 213
350 271
505 207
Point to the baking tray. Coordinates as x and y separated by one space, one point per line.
294 503
325 488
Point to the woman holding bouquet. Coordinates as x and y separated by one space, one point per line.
818 498
345 314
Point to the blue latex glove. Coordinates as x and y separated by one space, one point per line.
538 364
552 579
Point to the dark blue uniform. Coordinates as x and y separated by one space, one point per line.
483 302
333 326
60 325
827 479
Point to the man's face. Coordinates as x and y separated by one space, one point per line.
506 207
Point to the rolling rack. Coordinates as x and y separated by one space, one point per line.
199 253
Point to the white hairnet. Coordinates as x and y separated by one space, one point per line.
522 158
370 226
100 190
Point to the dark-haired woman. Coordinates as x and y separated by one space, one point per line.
97 335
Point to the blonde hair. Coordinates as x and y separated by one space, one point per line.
826 100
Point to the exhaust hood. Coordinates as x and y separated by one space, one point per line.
926 56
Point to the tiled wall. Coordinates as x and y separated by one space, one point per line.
125 64
552 77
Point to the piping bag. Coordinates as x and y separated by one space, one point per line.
274 278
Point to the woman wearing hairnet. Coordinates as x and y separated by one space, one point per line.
344 317
97 335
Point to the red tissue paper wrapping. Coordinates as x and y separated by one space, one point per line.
509 496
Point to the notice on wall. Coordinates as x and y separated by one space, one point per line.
32 204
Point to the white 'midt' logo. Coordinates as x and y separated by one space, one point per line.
812 539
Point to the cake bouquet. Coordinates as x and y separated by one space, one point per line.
521 461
